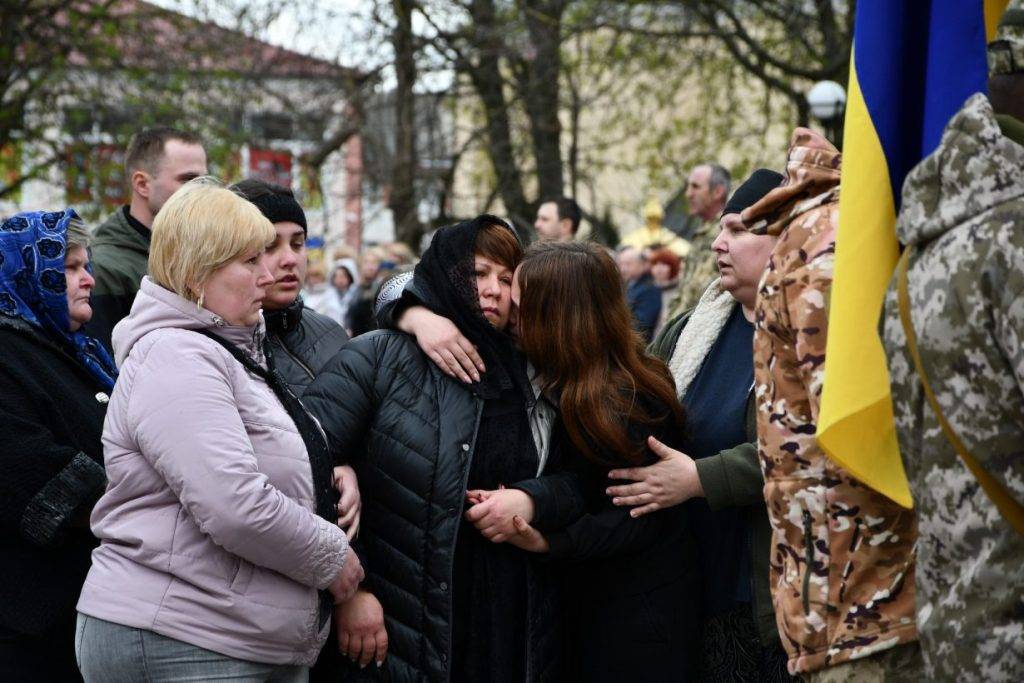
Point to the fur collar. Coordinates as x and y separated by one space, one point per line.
699 335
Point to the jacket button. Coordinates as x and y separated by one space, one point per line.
452 512
444 586
444 657
465 447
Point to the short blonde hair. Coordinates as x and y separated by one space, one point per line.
200 228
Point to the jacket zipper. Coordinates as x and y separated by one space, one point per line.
455 536
809 558
298 361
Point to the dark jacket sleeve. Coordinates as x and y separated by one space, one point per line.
664 346
42 483
646 310
557 500
111 300
606 532
108 310
344 399
732 477
343 396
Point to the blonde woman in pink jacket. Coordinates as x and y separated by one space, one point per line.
219 552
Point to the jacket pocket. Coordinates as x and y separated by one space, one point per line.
242 576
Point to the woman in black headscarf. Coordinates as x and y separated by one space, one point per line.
440 600
55 381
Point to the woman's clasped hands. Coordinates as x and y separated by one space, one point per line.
504 516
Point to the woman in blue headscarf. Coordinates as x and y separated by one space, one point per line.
54 385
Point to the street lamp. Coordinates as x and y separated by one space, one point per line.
828 104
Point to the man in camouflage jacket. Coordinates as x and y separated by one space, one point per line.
963 214
842 565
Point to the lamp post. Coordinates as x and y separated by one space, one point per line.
828 104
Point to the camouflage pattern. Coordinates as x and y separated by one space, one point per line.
697 270
1006 51
963 210
842 564
900 664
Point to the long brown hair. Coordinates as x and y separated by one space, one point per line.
576 329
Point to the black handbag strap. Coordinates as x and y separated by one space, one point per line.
325 495
310 431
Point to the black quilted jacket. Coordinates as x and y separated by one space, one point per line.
409 431
300 341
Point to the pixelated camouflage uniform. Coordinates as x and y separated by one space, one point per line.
842 560
698 269
963 211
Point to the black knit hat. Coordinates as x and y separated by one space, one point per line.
275 202
761 182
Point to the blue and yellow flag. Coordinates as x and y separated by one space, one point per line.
912 68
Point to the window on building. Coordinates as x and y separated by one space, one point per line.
272 126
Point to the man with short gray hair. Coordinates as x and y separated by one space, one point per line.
707 189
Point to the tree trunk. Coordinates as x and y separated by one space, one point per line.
540 92
487 80
402 201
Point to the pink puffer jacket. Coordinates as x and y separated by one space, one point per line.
207 526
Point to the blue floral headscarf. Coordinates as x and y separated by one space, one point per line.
33 287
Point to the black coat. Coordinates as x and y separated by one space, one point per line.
410 431
299 342
631 585
51 473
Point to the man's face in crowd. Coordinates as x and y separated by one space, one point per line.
631 265
741 257
286 260
369 266
548 225
703 200
181 163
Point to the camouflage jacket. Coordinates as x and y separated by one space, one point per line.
698 269
842 564
963 210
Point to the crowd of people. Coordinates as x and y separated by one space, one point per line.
511 462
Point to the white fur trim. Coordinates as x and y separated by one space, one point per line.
699 335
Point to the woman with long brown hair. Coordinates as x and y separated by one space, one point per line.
632 583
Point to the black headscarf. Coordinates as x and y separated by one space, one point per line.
446 277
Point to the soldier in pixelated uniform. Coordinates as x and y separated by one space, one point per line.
963 217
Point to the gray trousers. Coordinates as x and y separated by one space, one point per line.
112 653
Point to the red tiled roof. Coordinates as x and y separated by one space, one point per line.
151 37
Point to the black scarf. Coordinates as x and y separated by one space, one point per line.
447 279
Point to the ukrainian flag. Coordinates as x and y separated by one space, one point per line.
913 66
